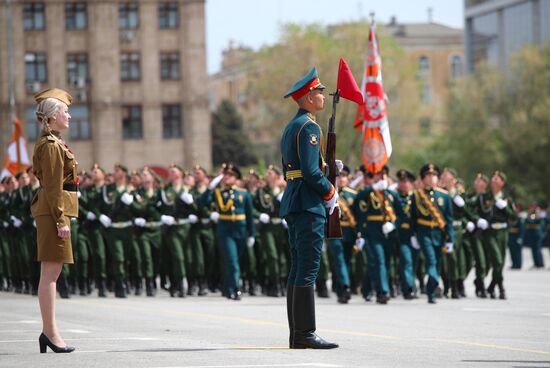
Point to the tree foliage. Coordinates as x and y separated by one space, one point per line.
229 141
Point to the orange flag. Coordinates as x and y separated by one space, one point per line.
371 117
17 159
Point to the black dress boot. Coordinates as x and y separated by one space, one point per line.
461 289
203 287
63 287
322 290
303 316
120 289
101 288
150 287
454 290
139 287
289 303
82 286
491 289
502 292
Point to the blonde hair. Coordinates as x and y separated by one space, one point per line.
47 109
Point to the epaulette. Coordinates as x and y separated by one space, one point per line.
441 190
51 138
349 190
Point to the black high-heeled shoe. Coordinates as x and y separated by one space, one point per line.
45 342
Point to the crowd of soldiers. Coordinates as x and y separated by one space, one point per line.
137 233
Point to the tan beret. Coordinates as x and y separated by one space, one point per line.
56 93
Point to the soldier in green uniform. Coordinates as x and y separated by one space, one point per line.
303 204
147 233
267 207
534 233
495 210
342 249
516 233
97 201
376 209
432 221
202 233
81 245
408 253
474 234
455 260
235 224
117 217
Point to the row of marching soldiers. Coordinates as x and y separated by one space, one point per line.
199 234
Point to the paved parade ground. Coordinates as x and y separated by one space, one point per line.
214 332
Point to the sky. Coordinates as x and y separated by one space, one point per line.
256 22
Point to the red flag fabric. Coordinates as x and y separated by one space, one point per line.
371 117
347 85
17 159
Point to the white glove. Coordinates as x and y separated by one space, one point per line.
167 220
356 181
380 185
501 203
105 220
140 221
214 216
449 247
360 242
34 224
16 222
193 219
414 242
388 227
264 218
127 198
78 194
250 241
91 216
324 247
285 224
459 201
470 227
187 198
520 241
339 165
280 196
482 224
542 214
332 203
215 182
5 224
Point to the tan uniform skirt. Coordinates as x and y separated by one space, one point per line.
51 248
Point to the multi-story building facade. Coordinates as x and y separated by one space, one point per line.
495 29
136 70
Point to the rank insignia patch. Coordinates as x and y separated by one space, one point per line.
313 139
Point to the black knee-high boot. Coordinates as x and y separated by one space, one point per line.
303 321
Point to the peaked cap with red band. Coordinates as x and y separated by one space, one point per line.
305 85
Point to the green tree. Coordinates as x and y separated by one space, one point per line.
229 141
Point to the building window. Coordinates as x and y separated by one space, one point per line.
79 128
171 121
75 16
168 15
130 66
456 66
170 65
132 126
32 126
77 69
36 70
425 125
423 67
128 15
34 16
426 94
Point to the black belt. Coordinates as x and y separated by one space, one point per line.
70 187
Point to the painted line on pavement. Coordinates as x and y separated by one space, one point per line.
320 365
336 331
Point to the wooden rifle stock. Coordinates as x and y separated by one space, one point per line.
334 230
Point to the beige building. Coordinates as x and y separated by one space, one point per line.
136 70
438 52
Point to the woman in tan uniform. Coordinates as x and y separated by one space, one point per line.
52 207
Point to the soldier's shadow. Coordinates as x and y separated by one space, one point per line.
178 350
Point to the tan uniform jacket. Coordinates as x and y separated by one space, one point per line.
54 165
